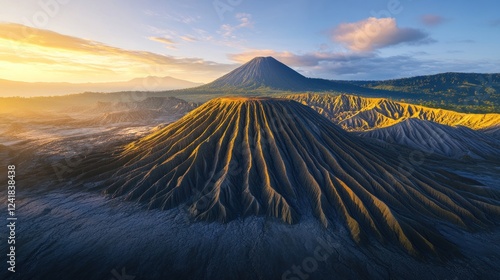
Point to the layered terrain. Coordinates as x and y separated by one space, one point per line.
355 113
434 138
240 157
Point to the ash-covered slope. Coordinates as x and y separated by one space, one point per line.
430 137
237 157
355 113
493 131
267 72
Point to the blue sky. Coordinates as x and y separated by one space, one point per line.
201 40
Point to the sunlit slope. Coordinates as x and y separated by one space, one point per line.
236 157
356 113
434 138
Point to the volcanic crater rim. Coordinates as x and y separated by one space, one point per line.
245 99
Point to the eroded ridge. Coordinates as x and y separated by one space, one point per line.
356 113
235 157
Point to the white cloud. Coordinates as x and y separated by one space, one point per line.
163 40
360 65
244 21
169 43
188 38
374 33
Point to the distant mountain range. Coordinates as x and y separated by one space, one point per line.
150 83
464 92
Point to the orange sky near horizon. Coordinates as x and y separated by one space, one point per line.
107 41
37 55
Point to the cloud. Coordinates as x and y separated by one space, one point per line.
162 40
244 21
169 43
50 52
150 13
365 65
185 19
188 38
432 20
373 33
182 18
312 59
160 31
167 35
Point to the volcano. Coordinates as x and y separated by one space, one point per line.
237 157
269 73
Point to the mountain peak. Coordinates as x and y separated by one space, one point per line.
264 58
262 72
246 99
269 73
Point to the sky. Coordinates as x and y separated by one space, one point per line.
199 41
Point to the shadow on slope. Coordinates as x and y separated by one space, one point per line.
237 157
